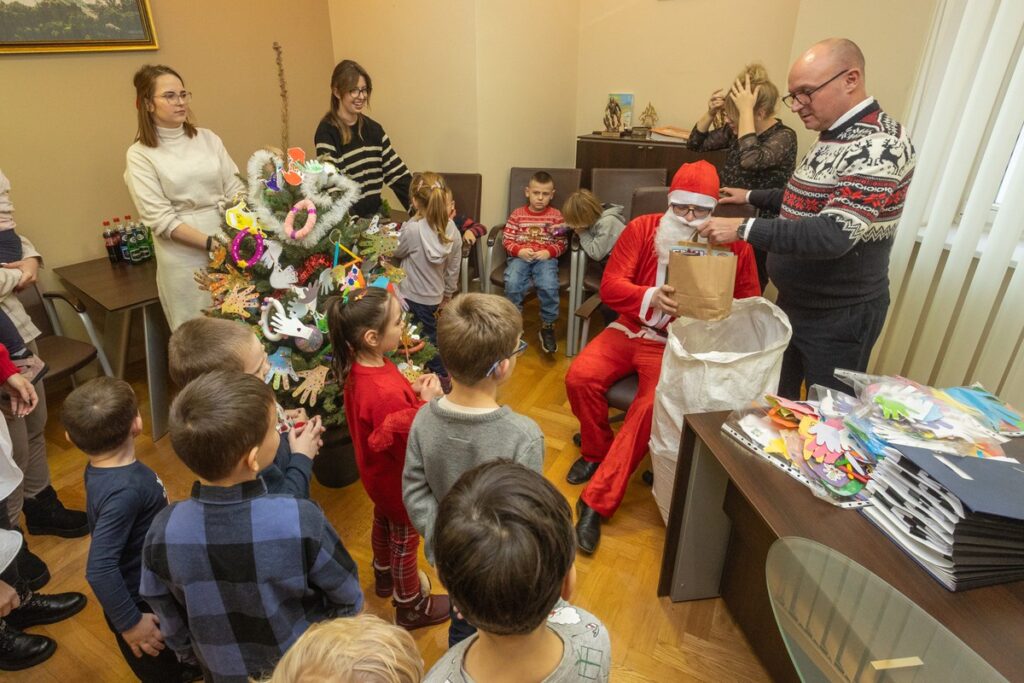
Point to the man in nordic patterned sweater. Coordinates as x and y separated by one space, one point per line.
828 251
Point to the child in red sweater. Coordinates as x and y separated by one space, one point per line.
380 405
535 236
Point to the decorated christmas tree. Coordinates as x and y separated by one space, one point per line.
287 246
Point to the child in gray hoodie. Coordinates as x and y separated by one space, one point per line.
430 252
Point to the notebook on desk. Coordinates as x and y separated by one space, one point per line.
961 519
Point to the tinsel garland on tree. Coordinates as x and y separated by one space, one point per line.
277 278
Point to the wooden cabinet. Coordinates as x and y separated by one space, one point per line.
596 151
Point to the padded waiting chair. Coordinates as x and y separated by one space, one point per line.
467 189
567 181
616 185
610 186
63 355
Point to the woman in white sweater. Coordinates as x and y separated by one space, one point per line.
180 178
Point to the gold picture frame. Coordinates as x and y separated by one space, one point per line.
36 26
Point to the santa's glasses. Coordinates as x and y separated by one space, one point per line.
697 211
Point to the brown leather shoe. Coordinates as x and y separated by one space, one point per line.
426 611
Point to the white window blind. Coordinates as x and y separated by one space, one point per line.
958 311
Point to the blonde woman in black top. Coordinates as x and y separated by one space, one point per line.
762 149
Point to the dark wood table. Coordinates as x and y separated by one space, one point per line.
729 506
123 288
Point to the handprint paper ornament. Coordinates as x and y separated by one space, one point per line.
312 384
281 370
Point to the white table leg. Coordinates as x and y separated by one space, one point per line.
157 336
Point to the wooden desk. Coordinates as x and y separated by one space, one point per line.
123 288
728 507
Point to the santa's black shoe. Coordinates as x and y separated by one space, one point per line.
581 471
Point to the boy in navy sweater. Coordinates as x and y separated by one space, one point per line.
102 419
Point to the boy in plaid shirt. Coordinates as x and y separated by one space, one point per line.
235 574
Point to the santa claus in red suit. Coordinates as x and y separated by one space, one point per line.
634 286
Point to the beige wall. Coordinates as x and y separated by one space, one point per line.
675 54
68 119
526 91
892 48
458 88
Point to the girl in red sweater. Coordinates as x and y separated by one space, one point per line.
380 405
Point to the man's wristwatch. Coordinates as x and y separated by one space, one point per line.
744 229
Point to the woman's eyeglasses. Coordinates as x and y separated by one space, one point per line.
518 352
176 97
359 92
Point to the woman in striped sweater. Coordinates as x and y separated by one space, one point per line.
357 144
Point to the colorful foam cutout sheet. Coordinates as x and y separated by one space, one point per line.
786 414
998 415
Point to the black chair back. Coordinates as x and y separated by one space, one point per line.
616 185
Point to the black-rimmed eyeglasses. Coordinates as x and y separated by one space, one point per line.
518 352
804 98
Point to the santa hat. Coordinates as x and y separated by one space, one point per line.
695 184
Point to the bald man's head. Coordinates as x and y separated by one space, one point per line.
830 74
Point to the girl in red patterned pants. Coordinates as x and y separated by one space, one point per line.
380 405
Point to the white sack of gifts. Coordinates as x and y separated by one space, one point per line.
711 366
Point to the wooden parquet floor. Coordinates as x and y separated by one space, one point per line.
652 638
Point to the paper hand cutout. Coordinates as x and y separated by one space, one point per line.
827 444
374 226
326 281
219 283
281 370
312 385
292 327
892 409
240 299
305 303
271 253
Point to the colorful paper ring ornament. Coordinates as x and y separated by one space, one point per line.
236 247
289 221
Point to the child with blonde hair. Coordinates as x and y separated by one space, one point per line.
363 649
597 225
380 405
430 253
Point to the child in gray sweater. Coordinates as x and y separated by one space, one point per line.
479 337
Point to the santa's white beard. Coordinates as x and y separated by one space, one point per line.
671 231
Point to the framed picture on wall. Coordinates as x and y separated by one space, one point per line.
79 26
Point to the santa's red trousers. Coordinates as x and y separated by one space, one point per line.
606 359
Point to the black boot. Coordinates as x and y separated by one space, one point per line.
588 528
581 471
45 514
21 650
46 609
31 568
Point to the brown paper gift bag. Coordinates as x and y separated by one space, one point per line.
704 279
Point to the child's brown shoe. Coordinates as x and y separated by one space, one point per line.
425 611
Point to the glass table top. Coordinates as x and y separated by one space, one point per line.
841 622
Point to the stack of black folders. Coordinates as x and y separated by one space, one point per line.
962 519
